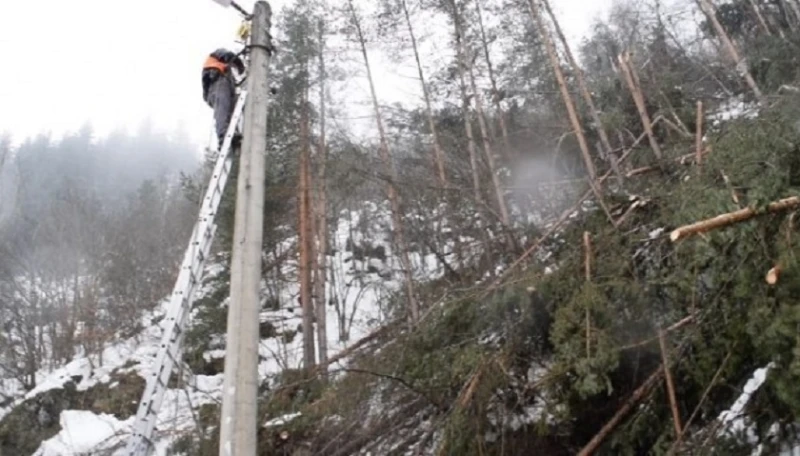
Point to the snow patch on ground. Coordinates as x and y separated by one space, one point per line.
83 432
734 108
360 282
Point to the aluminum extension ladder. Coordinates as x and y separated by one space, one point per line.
180 304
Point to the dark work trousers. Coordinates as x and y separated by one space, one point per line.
222 98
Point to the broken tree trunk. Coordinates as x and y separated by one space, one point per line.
760 17
673 402
741 65
562 84
795 7
495 91
473 153
487 146
570 105
394 197
732 218
631 79
774 274
584 89
637 396
438 153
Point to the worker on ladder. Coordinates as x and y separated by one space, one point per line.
219 90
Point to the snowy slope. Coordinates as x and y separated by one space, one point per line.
361 284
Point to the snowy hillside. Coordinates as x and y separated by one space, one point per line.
361 286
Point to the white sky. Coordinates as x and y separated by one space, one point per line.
115 63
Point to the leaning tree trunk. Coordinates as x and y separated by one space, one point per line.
495 91
632 80
487 146
438 153
394 198
741 65
584 89
570 105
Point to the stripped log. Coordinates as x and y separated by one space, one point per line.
732 218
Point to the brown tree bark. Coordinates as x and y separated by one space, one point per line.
394 197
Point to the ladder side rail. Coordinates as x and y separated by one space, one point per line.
185 287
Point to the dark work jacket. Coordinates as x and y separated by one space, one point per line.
210 75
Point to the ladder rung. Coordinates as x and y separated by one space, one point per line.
194 260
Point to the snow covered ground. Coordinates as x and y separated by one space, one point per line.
360 284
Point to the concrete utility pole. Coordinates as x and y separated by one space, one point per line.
238 426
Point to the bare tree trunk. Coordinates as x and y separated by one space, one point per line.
304 238
562 84
741 65
760 18
795 7
473 154
487 146
438 153
570 105
394 198
322 214
632 80
495 92
584 88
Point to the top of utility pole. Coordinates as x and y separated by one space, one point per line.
238 421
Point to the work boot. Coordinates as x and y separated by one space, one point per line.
236 141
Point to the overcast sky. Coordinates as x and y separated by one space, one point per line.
116 62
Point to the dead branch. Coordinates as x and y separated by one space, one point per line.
698 141
732 218
631 79
673 403
587 246
699 404
556 225
396 379
637 396
734 196
567 98
674 327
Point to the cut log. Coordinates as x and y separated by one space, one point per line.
731 218
774 274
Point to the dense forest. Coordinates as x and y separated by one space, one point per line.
551 247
